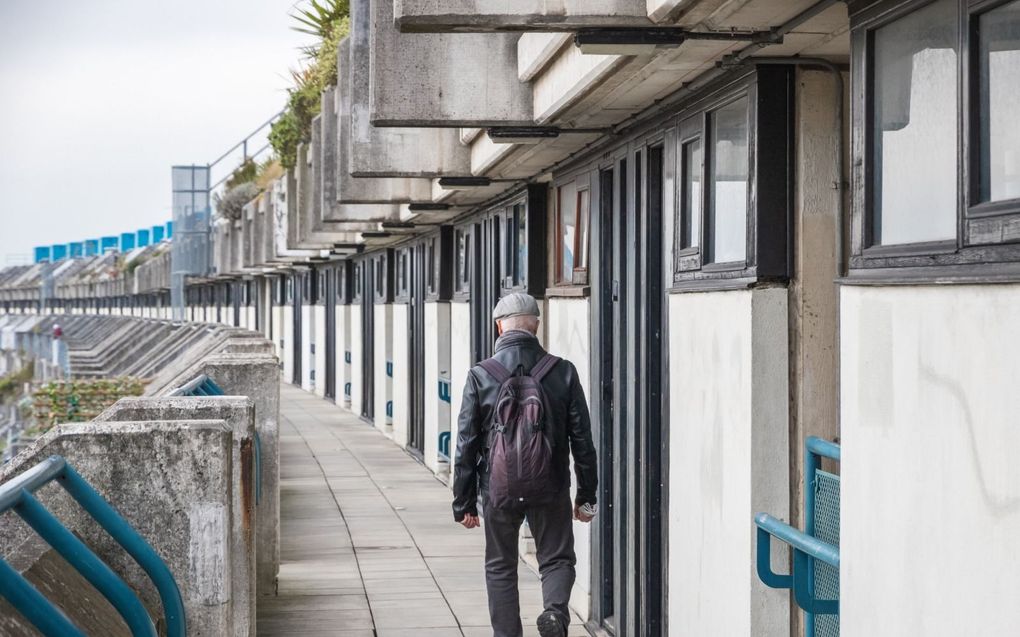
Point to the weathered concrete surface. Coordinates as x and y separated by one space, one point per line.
479 16
142 469
258 379
238 412
459 80
403 152
370 548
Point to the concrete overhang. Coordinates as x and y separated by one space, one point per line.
385 152
443 80
479 16
573 90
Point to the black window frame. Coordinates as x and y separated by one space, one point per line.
402 273
987 243
582 183
383 267
769 90
462 275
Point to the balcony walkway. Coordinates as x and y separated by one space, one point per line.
369 546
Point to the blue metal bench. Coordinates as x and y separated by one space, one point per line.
17 495
202 385
815 575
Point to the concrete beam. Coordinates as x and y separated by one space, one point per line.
386 152
462 80
309 228
479 16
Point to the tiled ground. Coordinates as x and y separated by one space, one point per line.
369 546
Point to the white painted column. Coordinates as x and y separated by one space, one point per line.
383 329
437 386
319 360
357 352
399 381
307 346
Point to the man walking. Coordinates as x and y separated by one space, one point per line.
524 413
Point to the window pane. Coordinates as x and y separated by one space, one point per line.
915 114
691 209
583 212
729 176
999 34
522 244
568 220
462 251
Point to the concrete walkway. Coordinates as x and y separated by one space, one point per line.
369 546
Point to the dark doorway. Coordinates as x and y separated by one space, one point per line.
629 571
416 344
368 293
297 300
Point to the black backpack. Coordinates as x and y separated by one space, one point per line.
520 454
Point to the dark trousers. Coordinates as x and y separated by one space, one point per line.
553 531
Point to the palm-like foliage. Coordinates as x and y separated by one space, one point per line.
320 17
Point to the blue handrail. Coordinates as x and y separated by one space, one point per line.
805 545
43 614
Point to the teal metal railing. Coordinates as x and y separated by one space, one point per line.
202 385
814 578
17 495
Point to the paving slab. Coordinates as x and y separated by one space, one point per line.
368 543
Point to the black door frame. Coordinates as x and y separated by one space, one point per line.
416 346
368 293
297 301
629 565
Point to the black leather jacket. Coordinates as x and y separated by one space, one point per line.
569 419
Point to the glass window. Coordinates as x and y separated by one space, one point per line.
693 166
729 183
463 245
999 117
581 240
567 215
914 149
521 220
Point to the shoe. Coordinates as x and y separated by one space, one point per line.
549 625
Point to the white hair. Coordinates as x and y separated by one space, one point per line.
523 322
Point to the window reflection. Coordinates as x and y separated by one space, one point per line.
915 113
729 174
568 221
999 74
691 210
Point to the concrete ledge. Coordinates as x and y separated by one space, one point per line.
479 16
462 80
171 480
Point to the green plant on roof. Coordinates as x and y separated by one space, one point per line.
329 22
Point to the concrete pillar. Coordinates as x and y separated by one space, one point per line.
379 152
461 80
239 414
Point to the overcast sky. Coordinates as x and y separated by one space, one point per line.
99 98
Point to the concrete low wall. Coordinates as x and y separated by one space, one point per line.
238 412
140 468
259 379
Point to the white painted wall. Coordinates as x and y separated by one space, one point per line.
277 331
728 356
399 383
357 351
437 366
460 363
319 359
287 351
307 342
930 519
383 342
343 369
568 334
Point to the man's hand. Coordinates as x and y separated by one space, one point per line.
470 521
581 516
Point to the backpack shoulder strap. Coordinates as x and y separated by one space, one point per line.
495 369
544 366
